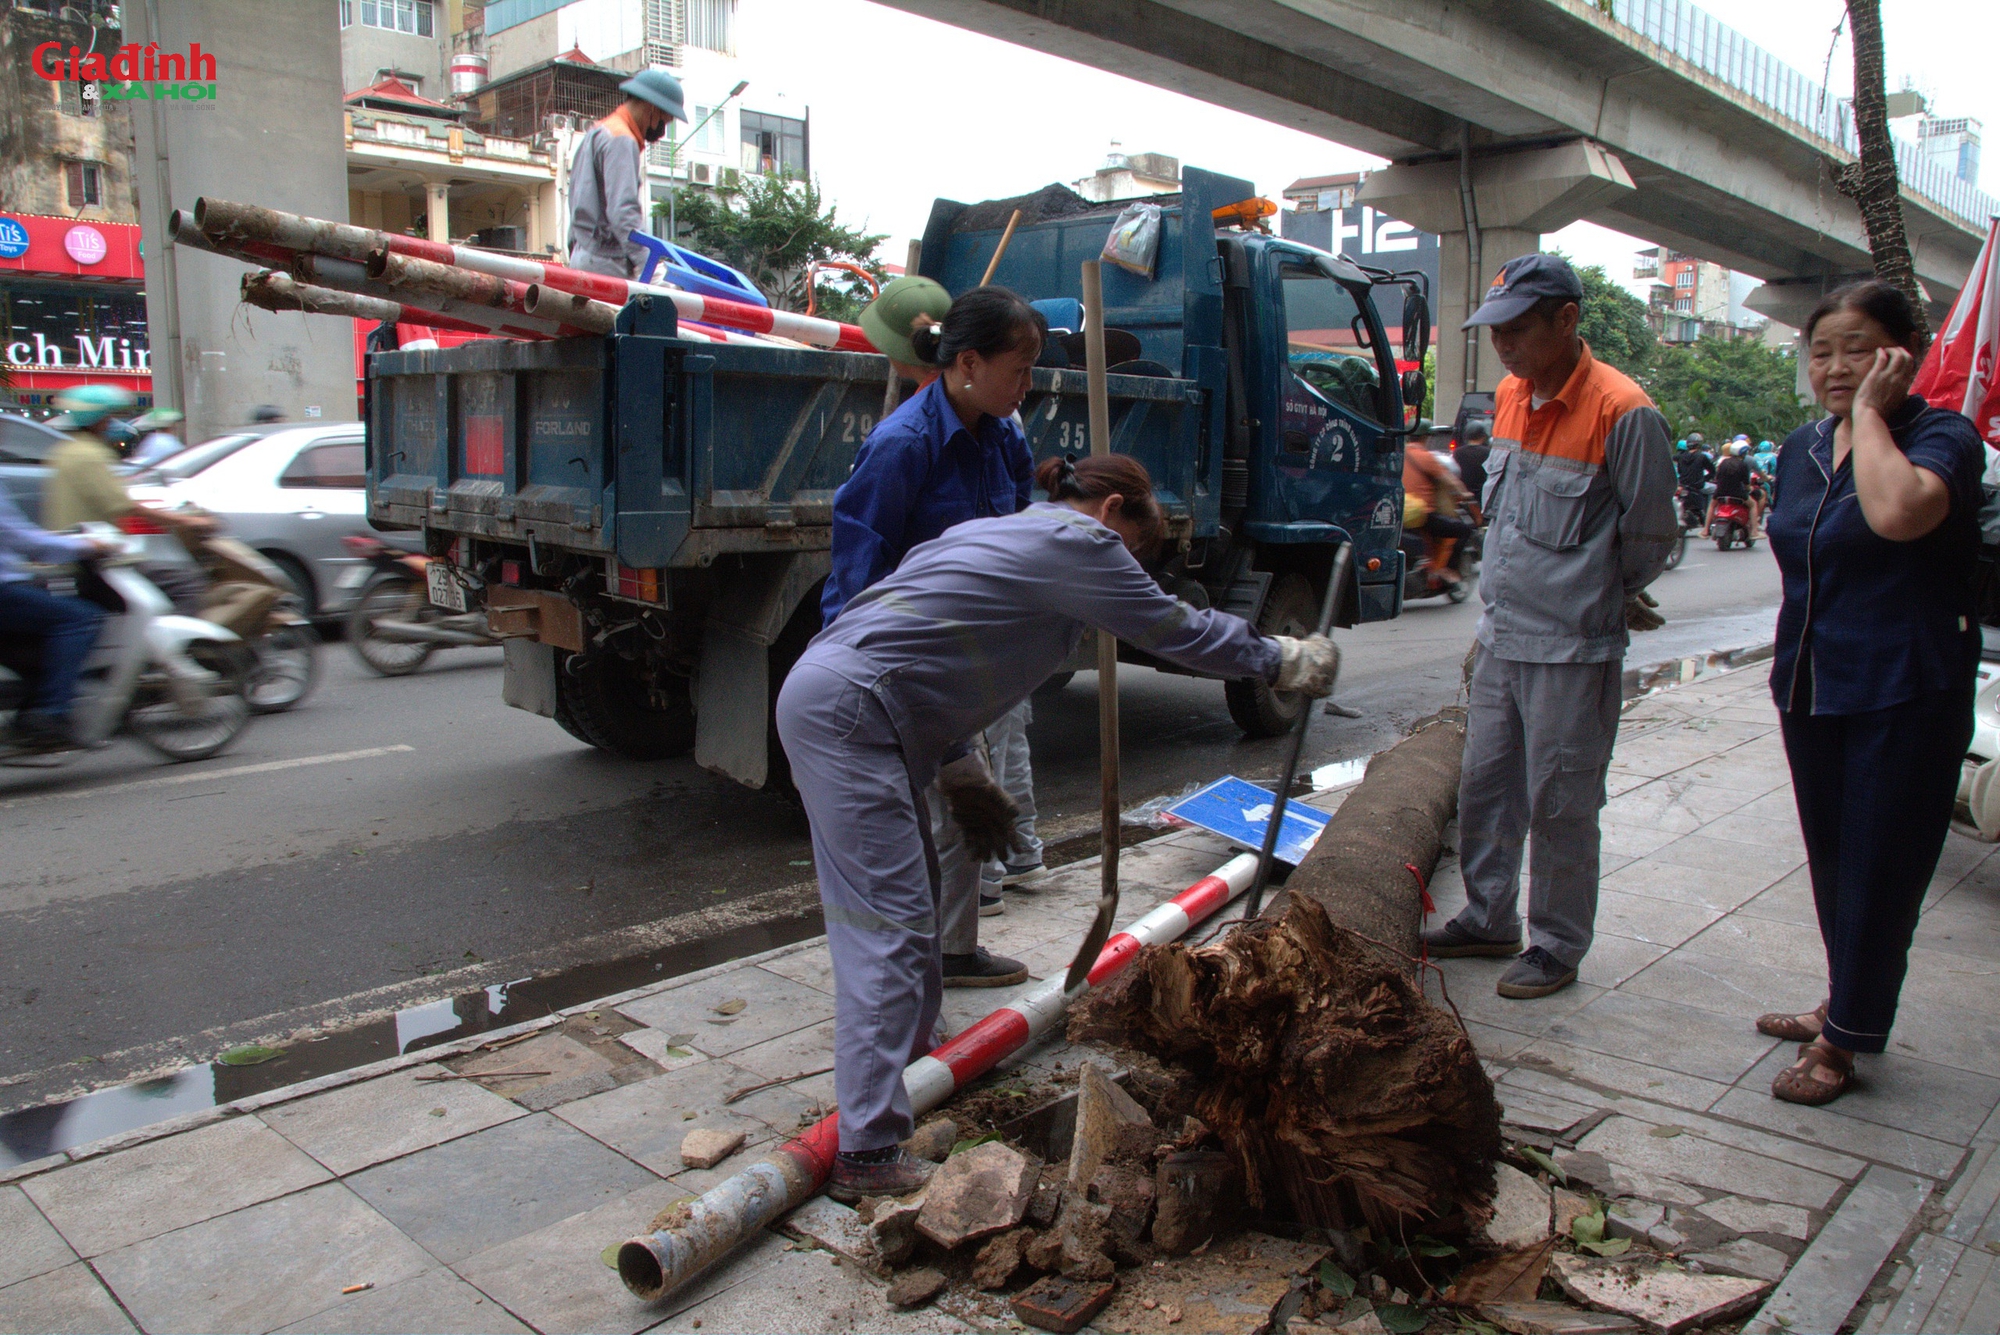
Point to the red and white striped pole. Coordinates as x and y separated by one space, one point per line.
728 1214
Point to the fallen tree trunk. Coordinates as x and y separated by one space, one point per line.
1303 1039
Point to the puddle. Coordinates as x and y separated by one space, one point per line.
1340 773
49 1128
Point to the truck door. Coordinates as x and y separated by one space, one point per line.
1338 461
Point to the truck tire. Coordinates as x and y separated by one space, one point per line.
1289 609
604 701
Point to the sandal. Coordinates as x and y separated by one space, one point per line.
1791 1028
1800 1083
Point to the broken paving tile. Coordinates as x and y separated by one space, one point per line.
833 1226
1520 1210
552 1052
1101 1109
1062 1305
1759 1217
1744 1257
1666 1302
705 1148
977 1193
1535 1317
555 1093
914 1288
1230 1289
661 1049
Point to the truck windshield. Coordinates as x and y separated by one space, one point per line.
1324 341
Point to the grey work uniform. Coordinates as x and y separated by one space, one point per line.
917 664
1580 503
606 192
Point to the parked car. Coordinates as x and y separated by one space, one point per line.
291 493
24 445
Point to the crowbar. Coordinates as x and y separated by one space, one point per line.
1341 559
1107 650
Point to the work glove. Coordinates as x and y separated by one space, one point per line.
1309 666
1639 613
981 808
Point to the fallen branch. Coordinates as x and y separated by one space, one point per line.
480 1075
748 1090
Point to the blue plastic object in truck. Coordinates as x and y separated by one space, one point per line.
695 273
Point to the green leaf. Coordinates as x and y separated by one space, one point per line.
1426 1245
974 1142
1607 1247
677 1051
610 1254
1587 1228
1545 1163
250 1054
1401 1318
1665 1132
1335 1280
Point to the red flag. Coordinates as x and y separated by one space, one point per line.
1959 371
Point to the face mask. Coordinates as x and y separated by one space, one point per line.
656 133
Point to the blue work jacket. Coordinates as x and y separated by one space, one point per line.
1875 623
920 472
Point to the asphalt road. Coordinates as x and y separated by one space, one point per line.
394 841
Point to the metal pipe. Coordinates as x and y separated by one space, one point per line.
351 276
430 278
703 1231
1475 264
275 291
571 309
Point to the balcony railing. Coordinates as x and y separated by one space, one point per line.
1716 49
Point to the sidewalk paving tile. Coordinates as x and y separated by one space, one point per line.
1761 940
1839 1264
476 1192
263 1267
1823 1126
1900 1093
106 1202
357 1125
1789 900
1932 1262
1563 1070
33 1246
436 1302
555 1278
1721 891
646 1121
1726 985
1627 1143
1615 960
67 1301
1707 854
768 1290
773 1005
1540 1112
1661 922
1666 1034
811 968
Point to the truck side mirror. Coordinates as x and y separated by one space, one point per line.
1414 388
1416 324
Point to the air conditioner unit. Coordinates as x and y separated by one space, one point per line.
701 173
731 178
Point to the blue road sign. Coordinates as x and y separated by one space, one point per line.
1240 812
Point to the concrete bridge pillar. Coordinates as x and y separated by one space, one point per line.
1505 201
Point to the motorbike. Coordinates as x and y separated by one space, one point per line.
1731 524
1420 581
177 683
251 596
395 626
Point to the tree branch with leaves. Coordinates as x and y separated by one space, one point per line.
1871 180
774 228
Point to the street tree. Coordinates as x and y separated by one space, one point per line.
1871 181
774 227
1613 322
1720 386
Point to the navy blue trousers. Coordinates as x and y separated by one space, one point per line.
67 627
1875 793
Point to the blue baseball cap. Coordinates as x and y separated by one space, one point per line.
1523 282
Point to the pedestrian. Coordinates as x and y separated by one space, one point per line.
607 177
159 437
1877 537
883 703
1471 455
1580 520
951 452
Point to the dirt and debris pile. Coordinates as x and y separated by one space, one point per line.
1304 1039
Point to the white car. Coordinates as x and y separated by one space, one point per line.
292 493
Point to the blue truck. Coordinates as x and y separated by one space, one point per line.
646 519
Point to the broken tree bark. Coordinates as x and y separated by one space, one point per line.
1304 1039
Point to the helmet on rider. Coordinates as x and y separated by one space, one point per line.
1696 438
84 406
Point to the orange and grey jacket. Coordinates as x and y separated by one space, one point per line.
1580 507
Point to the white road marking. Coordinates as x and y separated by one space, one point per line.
205 776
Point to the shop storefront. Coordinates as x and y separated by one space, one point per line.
72 310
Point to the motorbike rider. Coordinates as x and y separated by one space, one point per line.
1695 470
67 627
1470 456
1733 482
1432 495
159 437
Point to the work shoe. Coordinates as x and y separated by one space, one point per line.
991 905
983 968
1536 974
1451 942
1024 873
897 1174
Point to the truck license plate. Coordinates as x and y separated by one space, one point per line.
445 590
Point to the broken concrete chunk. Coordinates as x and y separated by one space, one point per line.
1235 1287
1570 1207
833 1226
1197 1193
1101 1108
706 1149
893 1231
1062 1305
1128 1195
1743 1257
1633 1219
914 1288
1788 1221
1047 1201
1520 1210
977 1193
1044 1252
1539 1318
933 1140
1080 1228
1666 1302
1000 1259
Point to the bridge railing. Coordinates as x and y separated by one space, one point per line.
1717 49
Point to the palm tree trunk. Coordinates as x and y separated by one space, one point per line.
1871 182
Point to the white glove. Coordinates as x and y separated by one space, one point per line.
1309 666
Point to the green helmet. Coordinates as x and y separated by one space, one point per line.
159 419
887 319
86 405
660 88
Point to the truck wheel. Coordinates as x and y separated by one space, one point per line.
1289 609
605 701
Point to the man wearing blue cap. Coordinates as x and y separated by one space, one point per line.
607 177
1580 508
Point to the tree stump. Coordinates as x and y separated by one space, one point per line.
1303 1039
